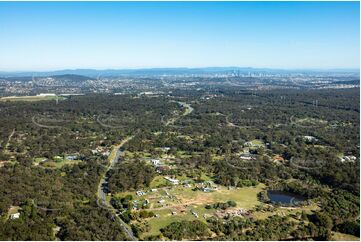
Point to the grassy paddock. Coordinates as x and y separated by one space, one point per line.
30 98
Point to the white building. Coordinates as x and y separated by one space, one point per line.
171 180
155 162
15 216
140 193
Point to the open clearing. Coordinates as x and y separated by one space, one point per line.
344 237
176 203
57 164
30 98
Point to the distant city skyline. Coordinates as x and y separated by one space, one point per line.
46 36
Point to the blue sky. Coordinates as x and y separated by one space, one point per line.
58 35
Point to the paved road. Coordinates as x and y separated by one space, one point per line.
188 110
114 158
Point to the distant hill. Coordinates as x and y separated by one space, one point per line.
60 78
169 71
72 77
351 82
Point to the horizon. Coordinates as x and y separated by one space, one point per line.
50 36
186 68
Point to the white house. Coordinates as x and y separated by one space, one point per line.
15 216
171 180
155 162
140 193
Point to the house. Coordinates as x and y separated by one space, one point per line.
207 189
161 169
309 138
171 180
154 190
246 156
15 216
194 213
278 158
155 162
71 157
140 193
165 148
161 201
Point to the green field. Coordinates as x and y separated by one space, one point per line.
57 164
30 98
344 237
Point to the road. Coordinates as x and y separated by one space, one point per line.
9 139
188 110
102 201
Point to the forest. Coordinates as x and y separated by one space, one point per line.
232 138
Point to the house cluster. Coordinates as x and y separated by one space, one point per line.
348 158
207 186
101 150
137 204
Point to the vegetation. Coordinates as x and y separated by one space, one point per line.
204 175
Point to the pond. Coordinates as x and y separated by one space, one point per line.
284 198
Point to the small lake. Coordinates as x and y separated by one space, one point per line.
284 198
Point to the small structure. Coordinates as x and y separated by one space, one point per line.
207 189
15 215
194 213
187 185
155 162
278 158
161 169
246 156
140 193
309 138
165 148
171 180
71 157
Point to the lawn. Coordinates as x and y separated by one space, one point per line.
158 181
257 143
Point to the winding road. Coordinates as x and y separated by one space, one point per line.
188 110
102 187
114 158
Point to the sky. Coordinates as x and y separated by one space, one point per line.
289 35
